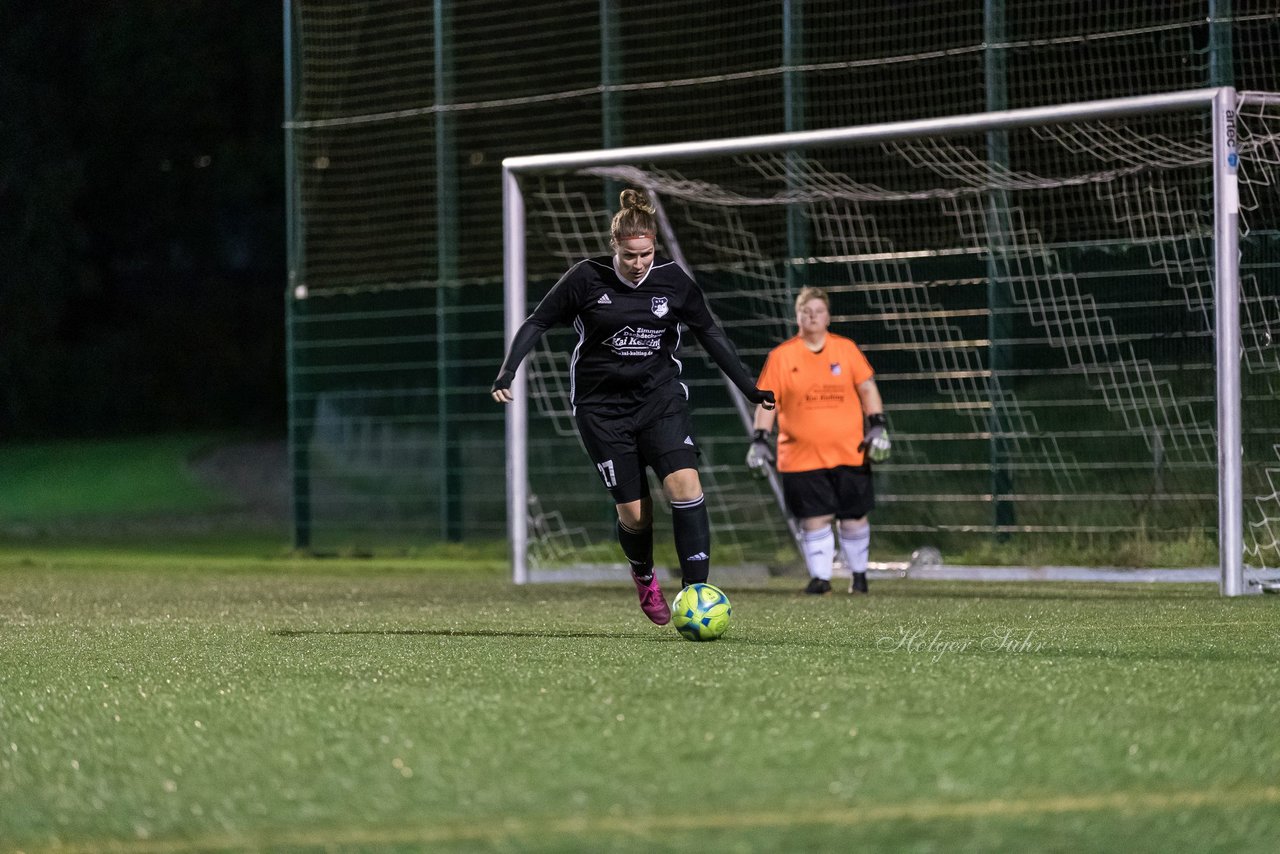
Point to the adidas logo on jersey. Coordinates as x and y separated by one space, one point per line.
688 440
604 300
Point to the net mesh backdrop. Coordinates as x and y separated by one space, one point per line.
1037 303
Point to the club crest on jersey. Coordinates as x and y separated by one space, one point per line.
835 369
659 306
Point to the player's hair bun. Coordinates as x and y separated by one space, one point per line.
636 200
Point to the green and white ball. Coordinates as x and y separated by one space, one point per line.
701 612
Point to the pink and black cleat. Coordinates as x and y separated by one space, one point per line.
651 601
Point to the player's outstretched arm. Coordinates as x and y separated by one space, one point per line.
721 350
558 306
526 337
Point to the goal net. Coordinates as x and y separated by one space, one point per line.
1071 313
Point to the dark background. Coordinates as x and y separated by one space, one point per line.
142 260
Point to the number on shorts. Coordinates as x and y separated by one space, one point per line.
606 472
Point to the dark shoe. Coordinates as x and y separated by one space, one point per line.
818 587
858 583
651 601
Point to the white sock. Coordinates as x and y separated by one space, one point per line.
819 552
856 547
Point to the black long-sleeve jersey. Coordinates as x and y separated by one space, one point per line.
628 334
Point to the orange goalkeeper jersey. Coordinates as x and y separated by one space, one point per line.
819 411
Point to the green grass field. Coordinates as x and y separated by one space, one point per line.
166 687
169 703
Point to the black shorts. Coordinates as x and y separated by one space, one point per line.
844 492
658 434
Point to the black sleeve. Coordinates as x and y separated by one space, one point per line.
557 307
697 315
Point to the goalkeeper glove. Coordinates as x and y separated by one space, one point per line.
760 454
875 442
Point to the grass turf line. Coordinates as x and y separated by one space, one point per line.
213 707
839 816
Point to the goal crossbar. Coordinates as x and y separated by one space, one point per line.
882 132
1221 101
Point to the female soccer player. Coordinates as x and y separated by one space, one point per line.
825 389
628 402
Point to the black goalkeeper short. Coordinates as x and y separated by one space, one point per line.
844 492
658 435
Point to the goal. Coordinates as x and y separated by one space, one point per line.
1071 311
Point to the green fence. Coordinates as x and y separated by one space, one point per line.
398 115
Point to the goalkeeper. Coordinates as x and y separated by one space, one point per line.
825 393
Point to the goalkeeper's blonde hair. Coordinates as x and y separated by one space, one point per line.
812 293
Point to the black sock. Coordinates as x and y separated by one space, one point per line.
693 539
638 548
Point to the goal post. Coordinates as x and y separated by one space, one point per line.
1226 241
895 212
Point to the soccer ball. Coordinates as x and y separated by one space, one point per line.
701 612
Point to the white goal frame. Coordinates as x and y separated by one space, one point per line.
1221 101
